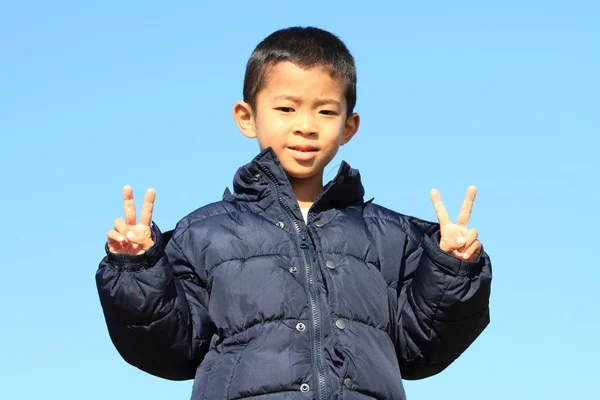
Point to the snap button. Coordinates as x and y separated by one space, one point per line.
348 383
300 327
293 270
319 223
257 176
280 224
339 179
330 265
304 387
340 324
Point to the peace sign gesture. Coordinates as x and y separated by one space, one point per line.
457 239
129 237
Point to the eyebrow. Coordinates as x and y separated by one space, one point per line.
296 99
287 97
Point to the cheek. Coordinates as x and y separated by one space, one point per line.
339 134
265 138
271 130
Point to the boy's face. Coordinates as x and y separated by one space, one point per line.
301 114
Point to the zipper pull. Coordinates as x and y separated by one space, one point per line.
303 240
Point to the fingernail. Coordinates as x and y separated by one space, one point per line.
130 235
460 240
466 256
120 238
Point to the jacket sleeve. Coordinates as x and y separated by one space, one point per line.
442 303
155 306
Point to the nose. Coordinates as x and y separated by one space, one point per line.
305 125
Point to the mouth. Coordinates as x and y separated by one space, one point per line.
303 148
303 153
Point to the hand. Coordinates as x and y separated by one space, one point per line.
128 237
457 239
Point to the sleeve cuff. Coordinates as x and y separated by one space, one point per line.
136 262
449 263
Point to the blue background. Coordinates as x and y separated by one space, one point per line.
500 94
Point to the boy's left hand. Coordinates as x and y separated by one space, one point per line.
456 239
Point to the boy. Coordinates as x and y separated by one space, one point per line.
288 289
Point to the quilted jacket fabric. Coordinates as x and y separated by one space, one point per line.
254 303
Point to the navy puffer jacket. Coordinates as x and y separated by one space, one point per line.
255 304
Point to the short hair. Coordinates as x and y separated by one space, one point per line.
306 47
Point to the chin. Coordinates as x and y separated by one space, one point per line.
296 174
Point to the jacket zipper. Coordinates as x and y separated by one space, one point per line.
321 390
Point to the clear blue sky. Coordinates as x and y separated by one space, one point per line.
504 95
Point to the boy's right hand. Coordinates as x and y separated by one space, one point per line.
129 237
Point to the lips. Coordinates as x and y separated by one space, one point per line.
303 153
303 148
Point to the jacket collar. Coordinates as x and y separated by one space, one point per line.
263 179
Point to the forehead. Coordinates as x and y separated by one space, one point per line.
289 78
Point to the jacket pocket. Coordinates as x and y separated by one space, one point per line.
359 383
215 373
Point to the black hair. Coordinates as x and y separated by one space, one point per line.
307 47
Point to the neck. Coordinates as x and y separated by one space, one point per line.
307 190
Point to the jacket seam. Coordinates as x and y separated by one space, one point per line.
237 362
269 321
151 323
213 375
202 218
252 396
195 329
192 221
437 308
401 224
360 321
248 258
340 253
433 318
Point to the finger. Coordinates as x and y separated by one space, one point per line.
129 205
452 239
470 237
114 236
440 209
148 207
121 226
133 238
137 238
472 252
467 206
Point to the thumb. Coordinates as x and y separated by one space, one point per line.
144 240
453 240
131 236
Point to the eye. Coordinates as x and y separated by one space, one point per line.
285 109
328 112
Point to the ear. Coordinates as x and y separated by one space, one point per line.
244 118
350 128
